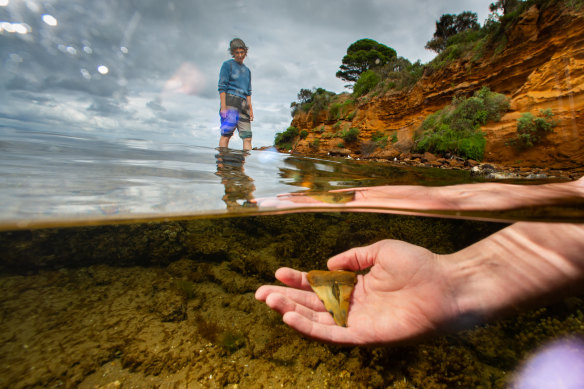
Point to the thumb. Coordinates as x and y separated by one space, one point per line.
358 258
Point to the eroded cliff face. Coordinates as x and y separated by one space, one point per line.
542 67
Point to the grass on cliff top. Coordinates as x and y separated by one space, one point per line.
455 129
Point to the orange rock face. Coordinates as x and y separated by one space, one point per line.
541 67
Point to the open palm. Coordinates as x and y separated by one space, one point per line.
402 297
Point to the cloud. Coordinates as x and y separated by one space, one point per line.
107 107
155 105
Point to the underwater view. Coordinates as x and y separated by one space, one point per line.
402 217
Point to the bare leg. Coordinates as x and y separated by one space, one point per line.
247 144
224 141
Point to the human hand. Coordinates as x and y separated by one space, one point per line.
404 296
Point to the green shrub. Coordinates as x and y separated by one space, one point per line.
334 111
284 139
345 107
350 135
399 73
575 4
381 143
377 135
532 129
456 128
495 103
468 114
446 140
379 139
314 100
340 145
366 82
394 137
315 143
303 134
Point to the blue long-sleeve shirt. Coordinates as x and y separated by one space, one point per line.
235 78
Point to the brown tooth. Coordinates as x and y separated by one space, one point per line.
334 289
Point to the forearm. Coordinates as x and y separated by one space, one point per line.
222 100
483 196
518 266
492 196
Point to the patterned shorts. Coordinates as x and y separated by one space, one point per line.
237 116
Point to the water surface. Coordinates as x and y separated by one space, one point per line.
57 178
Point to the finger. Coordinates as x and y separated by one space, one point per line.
293 278
283 305
264 291
358 258
327 332
305 298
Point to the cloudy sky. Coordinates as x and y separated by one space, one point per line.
148 69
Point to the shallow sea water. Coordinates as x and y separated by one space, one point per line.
133 264
63 178
129 257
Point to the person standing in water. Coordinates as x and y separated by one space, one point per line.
235 96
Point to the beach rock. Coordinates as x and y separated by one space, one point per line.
169 305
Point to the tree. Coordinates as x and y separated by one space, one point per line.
363 55
450 25
304 96
507 6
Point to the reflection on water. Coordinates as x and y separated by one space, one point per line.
50 177
239 187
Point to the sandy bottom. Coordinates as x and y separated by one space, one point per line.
109 327
181 313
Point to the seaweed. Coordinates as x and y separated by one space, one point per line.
231 341
207 329
185 287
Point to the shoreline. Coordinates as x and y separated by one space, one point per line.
488 170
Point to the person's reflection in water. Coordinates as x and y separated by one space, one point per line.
238 185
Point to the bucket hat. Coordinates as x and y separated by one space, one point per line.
236 43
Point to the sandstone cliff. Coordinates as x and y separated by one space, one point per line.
541 67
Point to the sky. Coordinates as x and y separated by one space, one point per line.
148 69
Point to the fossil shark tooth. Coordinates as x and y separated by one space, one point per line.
334 289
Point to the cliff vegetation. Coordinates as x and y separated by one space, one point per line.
509 92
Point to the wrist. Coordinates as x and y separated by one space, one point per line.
468 280
520 265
